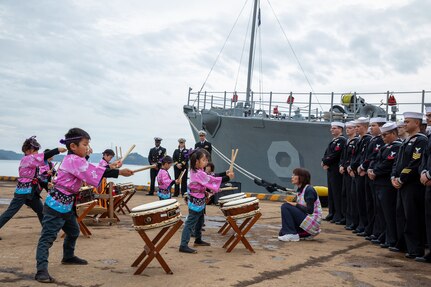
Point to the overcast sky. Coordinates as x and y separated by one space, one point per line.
121 69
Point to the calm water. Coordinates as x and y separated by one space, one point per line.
10 168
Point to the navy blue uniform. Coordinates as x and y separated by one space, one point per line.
374 225
348 196
180 157
331 158
386 193
357 160
411 195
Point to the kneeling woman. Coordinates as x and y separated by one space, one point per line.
301 218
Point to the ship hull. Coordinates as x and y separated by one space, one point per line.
269 149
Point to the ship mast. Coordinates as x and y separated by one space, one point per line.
250 56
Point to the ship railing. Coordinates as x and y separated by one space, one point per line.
311 106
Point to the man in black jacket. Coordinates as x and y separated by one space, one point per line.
203 143
374 228
155 155
359 174
380 172
411 193
181 164
426 180
348 192
330 162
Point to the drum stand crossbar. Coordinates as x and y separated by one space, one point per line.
240 232
153 247
128 194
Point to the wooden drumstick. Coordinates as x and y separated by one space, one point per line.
127 153
53 166
181 175
144 168
234 154
228 188
116 152
121 153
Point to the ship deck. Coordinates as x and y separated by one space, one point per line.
335 258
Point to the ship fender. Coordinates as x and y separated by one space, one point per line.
322 192
211 122
283 158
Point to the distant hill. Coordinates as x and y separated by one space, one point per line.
133 158
10 155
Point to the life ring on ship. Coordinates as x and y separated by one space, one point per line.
322 192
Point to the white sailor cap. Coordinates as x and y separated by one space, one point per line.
157 139
413 115
424 120
202 133
350 124
428 109
401 124
388 127
337 124
377 120
361 120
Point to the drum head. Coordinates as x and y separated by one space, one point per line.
154 205
230 196
240 201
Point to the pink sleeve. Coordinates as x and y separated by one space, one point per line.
163 179
103 163
208 181
82 169
35 160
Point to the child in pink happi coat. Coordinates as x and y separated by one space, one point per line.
28 189
164 179
58 210
200 181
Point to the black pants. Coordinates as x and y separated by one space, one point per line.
379 228
428 216
361 203
345 208
369 205
177 173
32 201
412 198
335 185
353 203
153 175
387 197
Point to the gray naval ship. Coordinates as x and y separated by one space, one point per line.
286 131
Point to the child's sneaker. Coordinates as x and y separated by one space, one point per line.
200 242
289 237
43 276
186 249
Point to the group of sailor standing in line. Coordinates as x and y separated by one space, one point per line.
379 182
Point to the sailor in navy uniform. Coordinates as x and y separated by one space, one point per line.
380 172
203 143
374 228
330 162
411 194
426 180
359 174
180 158
155 155
348 198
